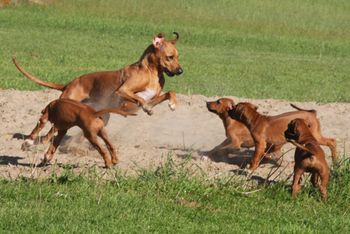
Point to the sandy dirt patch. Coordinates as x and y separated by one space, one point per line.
145 142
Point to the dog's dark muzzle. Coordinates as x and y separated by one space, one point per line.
177 72
289 135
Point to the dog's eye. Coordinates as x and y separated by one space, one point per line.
169 58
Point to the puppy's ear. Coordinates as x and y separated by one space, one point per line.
229 107
158 40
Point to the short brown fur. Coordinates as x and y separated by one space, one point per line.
269 130
66 113
140 83
309 157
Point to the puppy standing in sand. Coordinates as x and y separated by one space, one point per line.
141 83
309 157
66 113
236 132
269 130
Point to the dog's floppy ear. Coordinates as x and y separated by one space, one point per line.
158 40
230 106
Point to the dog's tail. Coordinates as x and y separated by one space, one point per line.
113 110
299 109
300 146
37 80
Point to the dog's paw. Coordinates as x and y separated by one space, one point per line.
205 158
148 110
172 106
27 144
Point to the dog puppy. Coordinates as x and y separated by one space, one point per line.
66 113
236 132
269 130
309 157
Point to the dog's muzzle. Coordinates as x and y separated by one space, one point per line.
177 72
288 135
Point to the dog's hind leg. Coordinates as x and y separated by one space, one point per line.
112 150
93 140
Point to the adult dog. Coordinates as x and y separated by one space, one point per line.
141 82
66 113
309 157
269 130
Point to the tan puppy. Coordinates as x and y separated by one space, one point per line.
66 113
236 132
269 130
309 157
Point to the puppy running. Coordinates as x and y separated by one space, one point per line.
66 113
309 157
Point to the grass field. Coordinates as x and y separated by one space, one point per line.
169 201
295 50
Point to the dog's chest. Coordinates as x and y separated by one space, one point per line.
147 95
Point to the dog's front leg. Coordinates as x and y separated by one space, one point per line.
52 148
258 154
298 172
130 96
171 96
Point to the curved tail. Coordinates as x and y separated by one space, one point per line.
37 80
112 110
299 109
300 146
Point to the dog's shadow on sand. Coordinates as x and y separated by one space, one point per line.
7 159
240 158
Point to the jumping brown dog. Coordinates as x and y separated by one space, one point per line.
141 82
309 157
66 113
269 130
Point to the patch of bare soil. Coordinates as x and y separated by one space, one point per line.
145 142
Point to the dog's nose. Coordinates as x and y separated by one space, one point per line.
179 71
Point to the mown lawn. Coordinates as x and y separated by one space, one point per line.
295 50
169 201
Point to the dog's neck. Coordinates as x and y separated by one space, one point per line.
306 137
150 60
253 120
226 120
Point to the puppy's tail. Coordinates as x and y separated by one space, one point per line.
113 110
37 80
299 109
300 146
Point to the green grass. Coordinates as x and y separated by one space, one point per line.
295 50
169 201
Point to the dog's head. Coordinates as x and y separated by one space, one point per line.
167 54
241 110
293 132
220 106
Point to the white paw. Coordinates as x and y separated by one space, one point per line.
172 106
205 158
